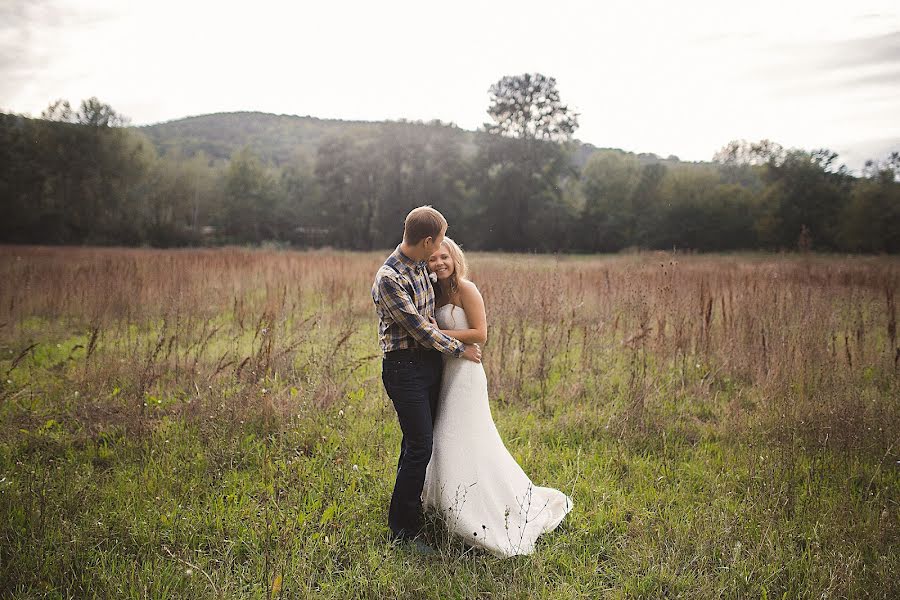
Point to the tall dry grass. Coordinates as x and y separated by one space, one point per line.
814 337
211 423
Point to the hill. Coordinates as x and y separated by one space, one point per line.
279 139
348 183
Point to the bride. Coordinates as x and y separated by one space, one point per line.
472 480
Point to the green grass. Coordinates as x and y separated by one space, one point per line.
223 502
164 461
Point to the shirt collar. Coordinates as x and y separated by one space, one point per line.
406 261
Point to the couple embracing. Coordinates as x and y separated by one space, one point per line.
431 326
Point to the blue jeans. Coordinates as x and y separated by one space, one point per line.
412 380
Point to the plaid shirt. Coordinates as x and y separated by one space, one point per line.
404 301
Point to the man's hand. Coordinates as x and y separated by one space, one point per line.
436 326
472 352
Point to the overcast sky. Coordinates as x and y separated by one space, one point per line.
667 77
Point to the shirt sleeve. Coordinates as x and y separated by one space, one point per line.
397 302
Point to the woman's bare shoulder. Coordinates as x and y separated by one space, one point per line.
468 290
467 286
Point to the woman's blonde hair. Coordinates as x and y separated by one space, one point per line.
460 266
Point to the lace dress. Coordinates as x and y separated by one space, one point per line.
472 479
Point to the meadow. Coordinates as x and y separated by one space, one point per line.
212 424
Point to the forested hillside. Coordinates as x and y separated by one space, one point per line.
247 178
280 139
275 139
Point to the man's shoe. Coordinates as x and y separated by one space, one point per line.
414 544
421 548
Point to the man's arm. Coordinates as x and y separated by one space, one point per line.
396 300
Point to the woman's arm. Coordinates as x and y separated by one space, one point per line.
473 304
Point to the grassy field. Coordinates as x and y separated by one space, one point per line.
211 424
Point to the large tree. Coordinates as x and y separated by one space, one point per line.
248 200
805 195
523 163
92 112
528 106
608 183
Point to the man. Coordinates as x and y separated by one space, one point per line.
412 363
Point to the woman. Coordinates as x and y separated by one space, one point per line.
472 480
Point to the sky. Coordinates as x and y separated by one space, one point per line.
680 78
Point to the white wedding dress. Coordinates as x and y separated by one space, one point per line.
472 479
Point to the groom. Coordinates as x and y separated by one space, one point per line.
412 363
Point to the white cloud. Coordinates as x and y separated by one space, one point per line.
670 78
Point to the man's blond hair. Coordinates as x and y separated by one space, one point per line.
423 222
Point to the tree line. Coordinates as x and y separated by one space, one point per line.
84 177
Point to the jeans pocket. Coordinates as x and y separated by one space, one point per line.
399 376
392 374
